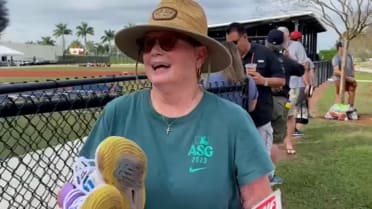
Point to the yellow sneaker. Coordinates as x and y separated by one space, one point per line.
123 164
104 197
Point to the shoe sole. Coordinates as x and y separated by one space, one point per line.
104 197
274 184
277 182
123 164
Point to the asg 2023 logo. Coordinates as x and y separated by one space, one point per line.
200 152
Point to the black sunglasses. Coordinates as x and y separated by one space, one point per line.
166 41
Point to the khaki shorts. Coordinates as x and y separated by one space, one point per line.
297 96
279 119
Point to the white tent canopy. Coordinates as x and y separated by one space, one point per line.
5 51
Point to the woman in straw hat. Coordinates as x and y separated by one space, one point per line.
203 151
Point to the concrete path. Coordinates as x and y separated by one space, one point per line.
363 69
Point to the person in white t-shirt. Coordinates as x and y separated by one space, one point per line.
299 85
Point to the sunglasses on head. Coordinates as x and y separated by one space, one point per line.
167 41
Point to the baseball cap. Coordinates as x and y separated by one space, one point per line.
275 37
283 29
296 34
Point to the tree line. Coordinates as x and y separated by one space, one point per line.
82 32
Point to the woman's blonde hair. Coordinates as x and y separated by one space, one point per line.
234 72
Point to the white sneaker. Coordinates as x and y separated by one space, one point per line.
123 164
89 191
115 179
86 176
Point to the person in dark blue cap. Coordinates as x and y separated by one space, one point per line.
281 103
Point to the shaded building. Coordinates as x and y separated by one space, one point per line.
34 52
258 28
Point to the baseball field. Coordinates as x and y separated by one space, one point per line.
43 73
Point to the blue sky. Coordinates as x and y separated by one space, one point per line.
32 19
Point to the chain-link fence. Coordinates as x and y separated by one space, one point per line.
42 127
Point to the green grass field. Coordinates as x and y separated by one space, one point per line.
363 76
332 168
28 133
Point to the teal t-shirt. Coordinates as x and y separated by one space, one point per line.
201 163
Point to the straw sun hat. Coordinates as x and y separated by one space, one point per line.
183 16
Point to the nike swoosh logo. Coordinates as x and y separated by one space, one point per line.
193 170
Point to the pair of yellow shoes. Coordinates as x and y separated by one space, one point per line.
122 165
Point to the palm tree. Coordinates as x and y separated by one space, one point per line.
46 40
4 20
108 37
83 30
60 31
